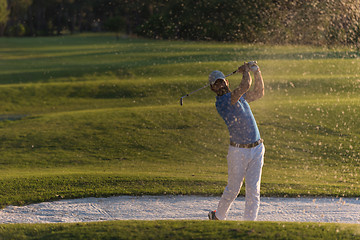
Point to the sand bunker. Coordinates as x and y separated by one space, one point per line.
342 210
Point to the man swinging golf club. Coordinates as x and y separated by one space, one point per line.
246 151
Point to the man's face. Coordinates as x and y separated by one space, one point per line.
219 84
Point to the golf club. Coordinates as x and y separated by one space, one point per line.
181 99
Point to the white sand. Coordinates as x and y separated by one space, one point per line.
342 210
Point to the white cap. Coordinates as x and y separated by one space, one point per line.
215 75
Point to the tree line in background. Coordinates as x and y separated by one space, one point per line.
319 22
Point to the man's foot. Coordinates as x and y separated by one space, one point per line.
212 215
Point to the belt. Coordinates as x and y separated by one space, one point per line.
250 145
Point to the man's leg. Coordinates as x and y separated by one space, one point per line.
237 159
252 183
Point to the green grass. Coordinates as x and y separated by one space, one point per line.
180 230
89 115
91 104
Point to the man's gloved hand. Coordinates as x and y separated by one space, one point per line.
253 66
246 67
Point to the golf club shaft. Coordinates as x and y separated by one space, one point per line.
181 99
207 85
232 73
195 91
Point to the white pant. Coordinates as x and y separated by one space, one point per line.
243 163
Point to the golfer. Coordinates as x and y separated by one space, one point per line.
246 151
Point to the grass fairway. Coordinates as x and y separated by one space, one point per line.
181 230
89 115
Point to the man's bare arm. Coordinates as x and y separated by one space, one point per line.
244 85
258 91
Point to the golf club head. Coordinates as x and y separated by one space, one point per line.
181 101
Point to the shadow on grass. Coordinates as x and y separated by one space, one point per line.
14 117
